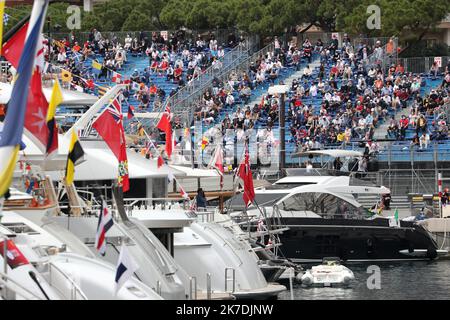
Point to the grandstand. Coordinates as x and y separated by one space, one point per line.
335 98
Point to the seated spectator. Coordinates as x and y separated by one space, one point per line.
424 140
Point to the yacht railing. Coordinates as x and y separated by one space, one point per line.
131 204
207 215
192 288
208 286
9 292
183 98
75 292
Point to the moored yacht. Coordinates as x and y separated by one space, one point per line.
51 269
324 219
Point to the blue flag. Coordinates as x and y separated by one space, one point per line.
14 121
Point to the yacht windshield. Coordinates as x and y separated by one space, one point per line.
324 204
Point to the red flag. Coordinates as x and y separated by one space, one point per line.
36 116
245 173
164 125
15 257
160 162
217 163
106 127
109 126
12 50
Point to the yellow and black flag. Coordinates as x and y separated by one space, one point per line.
76 153
52 138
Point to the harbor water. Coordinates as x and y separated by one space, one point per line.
405 280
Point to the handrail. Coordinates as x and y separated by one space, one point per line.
4 276
236 65
74 290
193 288
208 286
198 84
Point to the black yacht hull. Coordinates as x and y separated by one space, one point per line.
312 239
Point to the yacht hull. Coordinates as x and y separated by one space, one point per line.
312 239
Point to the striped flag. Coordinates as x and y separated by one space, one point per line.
55 100
183 193
6 19
116 77
15 117
130 114
126 267
3 17
205 142
217 163
74 157
105 222
96 65
396 217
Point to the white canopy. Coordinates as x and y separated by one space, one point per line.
69 97
335 153
99 162
195 173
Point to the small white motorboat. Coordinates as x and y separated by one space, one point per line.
329 273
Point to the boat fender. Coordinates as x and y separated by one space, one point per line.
431 253
307 279
369 243
346 280
298 277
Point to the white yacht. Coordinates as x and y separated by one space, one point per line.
61 272
323 218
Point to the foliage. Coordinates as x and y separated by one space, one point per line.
410 20
407 19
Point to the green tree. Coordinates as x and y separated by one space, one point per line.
173 15
138 21
410 20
